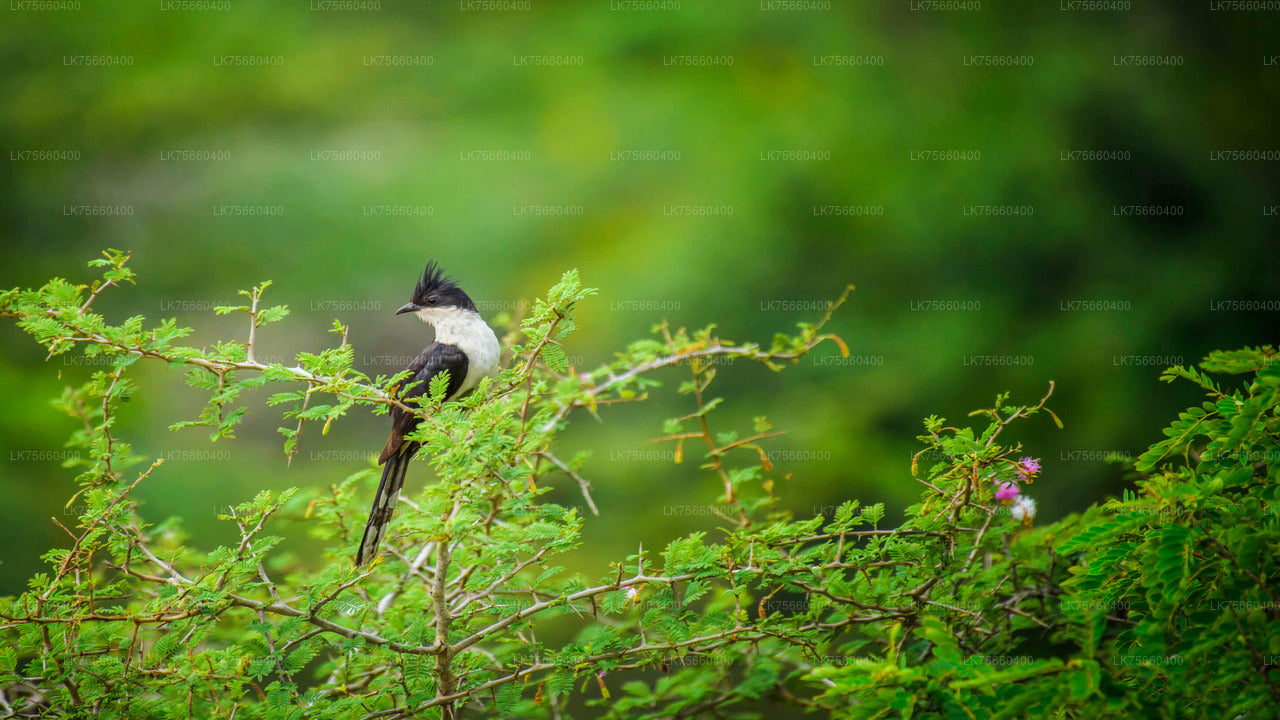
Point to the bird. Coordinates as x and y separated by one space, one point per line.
466 348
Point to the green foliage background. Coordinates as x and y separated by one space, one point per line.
858 422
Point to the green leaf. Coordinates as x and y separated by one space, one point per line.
272 314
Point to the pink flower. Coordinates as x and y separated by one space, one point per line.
1028 467
1007 491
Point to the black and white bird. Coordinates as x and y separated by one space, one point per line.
465 348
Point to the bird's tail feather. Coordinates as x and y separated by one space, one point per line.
384 503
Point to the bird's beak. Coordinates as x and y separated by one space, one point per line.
407 307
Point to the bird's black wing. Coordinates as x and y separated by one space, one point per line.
436 358
396 455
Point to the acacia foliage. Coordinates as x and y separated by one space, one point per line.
963 610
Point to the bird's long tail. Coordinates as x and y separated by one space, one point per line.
384 502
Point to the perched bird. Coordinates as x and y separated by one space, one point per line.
465 348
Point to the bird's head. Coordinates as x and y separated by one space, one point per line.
436 297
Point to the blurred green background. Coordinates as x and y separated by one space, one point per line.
735 163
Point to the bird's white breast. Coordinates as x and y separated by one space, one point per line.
472 335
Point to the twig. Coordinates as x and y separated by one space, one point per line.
582 482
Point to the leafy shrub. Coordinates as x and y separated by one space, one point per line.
964 610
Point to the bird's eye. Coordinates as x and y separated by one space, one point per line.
433 300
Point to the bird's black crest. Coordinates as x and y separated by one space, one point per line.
434 283
433 280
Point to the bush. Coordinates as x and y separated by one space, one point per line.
1144 606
